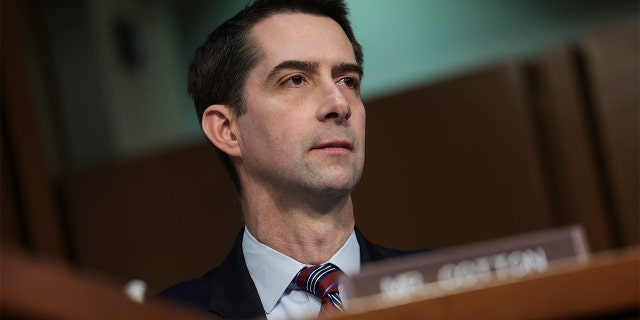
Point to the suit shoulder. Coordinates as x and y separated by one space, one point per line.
194 293
389 253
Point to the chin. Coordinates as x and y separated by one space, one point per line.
339 187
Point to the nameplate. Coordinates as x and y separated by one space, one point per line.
466 267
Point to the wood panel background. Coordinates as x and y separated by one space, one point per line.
454 162
611 71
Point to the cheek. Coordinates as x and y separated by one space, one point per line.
359 118
252 134
270 134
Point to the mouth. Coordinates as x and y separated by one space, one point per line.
335 145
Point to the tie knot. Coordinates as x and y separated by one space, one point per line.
319 280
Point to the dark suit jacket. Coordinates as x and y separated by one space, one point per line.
229 292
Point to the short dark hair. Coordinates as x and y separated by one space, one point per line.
221 65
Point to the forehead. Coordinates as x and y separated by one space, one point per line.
300 36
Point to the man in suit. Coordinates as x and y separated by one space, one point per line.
277 89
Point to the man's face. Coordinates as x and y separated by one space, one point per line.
304 129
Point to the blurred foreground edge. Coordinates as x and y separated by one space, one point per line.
39 288
607 287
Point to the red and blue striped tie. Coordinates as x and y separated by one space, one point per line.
322 281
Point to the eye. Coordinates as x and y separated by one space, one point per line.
294 81
349 82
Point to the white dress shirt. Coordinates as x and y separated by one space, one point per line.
272 272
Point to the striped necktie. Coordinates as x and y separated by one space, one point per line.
322 281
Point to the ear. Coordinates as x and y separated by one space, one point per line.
219 125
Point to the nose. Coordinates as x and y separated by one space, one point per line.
334 105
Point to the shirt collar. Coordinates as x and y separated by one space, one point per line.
272 271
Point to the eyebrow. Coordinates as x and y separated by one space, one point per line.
346 68
310 67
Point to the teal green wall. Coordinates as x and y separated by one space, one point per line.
409 43
412 42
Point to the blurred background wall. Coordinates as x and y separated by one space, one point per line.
486 118
118 68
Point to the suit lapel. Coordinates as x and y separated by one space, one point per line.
233 293
368 252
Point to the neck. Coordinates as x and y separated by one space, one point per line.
308 234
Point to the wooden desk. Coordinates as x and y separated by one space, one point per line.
36 288
606 287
